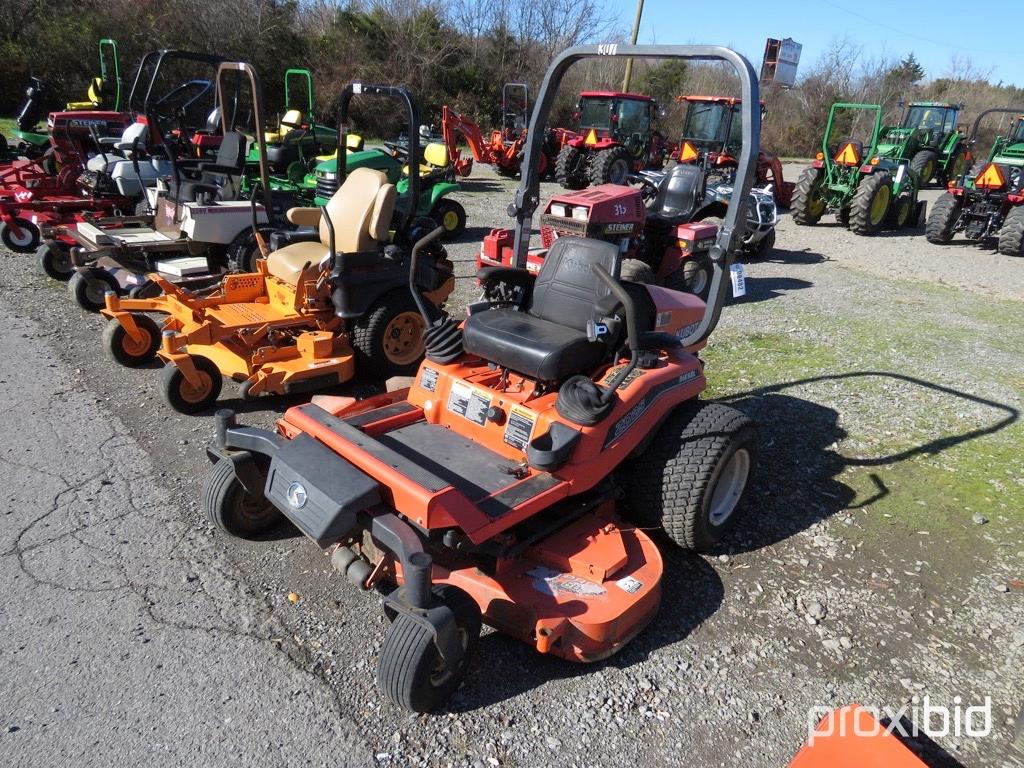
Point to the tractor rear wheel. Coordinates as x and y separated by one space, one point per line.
692 480
611 166
571 168
388 339
870 205
942 220
1011 234
924 164
957 165
807 205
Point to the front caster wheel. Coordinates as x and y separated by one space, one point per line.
89 292
122 348
21 236
186 397
234 510
54 261
411 671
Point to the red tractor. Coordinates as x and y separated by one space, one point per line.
615 138
503 148
709 130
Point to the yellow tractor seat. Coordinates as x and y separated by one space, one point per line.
291 120
435 157
95 96
361 213
353 141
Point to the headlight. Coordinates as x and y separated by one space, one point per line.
557 209
580 213
328 175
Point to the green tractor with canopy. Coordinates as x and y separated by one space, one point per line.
929 139
849 177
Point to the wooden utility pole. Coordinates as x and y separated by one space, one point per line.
636 32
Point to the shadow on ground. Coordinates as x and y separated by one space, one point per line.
797 482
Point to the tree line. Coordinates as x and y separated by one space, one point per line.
458 52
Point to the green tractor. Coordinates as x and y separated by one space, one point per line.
868 192
436 173
927 136
988 202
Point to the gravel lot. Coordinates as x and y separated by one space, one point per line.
883 558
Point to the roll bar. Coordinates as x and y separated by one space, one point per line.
527 197
257 105
413 115
1001 110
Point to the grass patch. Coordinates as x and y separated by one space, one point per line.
921 453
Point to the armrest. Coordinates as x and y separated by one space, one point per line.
304 217
511 275
659 340
109 141
281 238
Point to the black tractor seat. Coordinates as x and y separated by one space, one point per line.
216 180
678 196
547 340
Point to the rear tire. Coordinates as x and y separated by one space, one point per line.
942 220
410 670
388 339
924 164
54 261
1011 234
636 271
123 349
611 166
571 168
693 479
870 205
807 205
234 510
89 292
243 251
27 239
182 396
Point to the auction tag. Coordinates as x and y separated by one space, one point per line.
739 280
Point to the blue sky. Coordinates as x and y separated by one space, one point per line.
745 24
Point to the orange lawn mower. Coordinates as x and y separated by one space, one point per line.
320 302
488 490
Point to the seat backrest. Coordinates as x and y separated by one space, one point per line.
96 91
436 154
231 153
292 118
678 191
135 131
360 211
213 121
567 291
